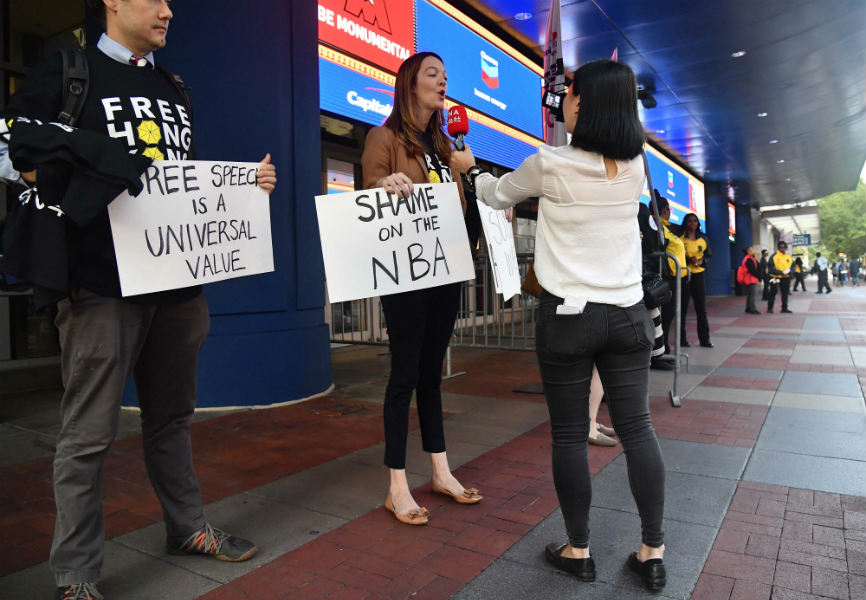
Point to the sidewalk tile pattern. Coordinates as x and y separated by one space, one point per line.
785 542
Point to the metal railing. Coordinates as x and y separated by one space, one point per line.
484 319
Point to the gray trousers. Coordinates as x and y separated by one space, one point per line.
103 341
752 293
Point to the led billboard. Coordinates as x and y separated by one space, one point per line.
732 222
351 88
381 32
480 74
684 191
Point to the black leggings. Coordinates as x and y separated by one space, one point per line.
419 329
618 341
696 289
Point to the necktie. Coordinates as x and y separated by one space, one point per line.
138 61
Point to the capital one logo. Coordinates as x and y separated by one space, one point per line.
374 12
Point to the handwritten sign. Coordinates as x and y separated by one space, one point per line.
195 222
375 244
500 247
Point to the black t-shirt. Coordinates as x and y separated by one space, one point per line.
437 171
138 105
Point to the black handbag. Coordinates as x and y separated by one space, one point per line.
656 290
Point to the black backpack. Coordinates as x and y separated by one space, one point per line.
76 83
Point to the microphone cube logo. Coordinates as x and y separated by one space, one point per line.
489 70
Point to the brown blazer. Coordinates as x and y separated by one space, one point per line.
384 154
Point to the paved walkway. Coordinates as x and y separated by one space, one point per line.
766 481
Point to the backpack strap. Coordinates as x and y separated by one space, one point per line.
179 85
76 82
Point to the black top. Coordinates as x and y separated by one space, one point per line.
752 266
437 171
138 106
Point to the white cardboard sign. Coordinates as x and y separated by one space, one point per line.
500 247
194 222
376 244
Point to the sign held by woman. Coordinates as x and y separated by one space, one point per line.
375 243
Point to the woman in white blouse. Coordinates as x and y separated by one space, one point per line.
588 262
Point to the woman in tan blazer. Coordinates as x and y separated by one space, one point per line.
411 147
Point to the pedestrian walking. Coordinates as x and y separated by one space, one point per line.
822 269
799 274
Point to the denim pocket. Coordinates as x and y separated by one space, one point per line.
642 325
564 336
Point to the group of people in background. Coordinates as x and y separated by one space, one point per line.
691 248
845 271
777 271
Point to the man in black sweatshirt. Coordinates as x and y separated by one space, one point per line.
105 338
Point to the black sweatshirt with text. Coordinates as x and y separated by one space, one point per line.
138 106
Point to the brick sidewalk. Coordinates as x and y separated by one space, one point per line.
376 557
787 544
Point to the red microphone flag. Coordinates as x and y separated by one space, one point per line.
458 125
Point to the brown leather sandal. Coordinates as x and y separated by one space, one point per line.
469 495
416 516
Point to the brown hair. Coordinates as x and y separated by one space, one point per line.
401 120
98 8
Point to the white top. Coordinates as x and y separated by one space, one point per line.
587 243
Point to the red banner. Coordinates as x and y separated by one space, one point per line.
381 32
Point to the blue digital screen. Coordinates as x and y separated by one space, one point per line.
684 193
346 92
481 75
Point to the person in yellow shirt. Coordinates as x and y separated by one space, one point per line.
697 248
674 245
779 269
799 274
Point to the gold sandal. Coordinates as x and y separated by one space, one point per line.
469 495
416 516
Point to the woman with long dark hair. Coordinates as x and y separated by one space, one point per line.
698 258
799 274
588 262
411 147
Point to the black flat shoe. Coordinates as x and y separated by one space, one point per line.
582 568
685 344
651 571
707 345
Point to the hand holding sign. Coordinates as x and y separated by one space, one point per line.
195 222
266 176
398 184
376 243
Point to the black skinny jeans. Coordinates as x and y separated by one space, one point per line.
696 289
618 341
419 330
